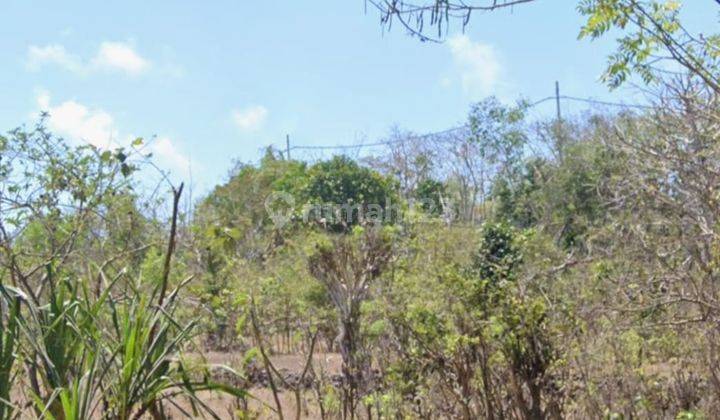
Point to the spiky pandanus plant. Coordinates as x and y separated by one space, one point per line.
115 355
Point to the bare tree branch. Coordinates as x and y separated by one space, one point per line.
414 16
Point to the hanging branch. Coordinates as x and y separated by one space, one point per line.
414 15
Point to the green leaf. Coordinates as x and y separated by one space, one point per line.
125 169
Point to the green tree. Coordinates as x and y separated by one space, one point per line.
499 131
517 194
431 195
344 194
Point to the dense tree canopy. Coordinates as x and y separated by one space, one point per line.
343 193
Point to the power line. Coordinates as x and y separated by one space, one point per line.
606 103
543 100
379 143
589 101
344 146
556 97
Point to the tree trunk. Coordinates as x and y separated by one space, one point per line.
352 368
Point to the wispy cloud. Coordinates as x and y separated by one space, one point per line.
110 56
169 155
477 63
54 54
81 123
250 118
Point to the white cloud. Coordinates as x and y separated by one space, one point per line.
115 56
169 155
120 56
251 118
478 64
56 54
77 122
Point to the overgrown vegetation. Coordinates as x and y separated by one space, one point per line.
90 323
558 269
511 269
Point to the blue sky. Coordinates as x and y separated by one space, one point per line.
218 81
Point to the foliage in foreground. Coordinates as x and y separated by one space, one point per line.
563 269
89 329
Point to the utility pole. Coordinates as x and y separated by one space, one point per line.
557 100
560 140
287 146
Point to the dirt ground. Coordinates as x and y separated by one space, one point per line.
331 362
261 403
